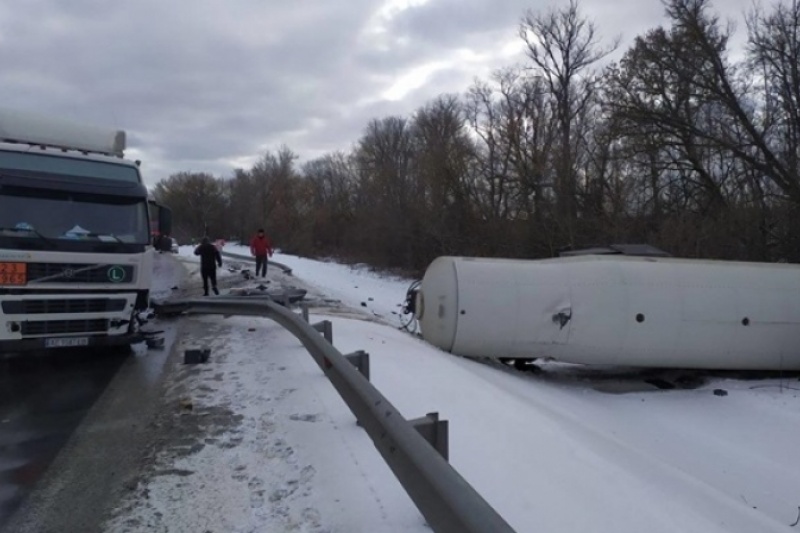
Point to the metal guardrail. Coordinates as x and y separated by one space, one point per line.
446 500
284 268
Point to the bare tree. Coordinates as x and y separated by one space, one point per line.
563 46
197 201
441 214
383 157
774 57
494 190
331 185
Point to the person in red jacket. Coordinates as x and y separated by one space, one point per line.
261 248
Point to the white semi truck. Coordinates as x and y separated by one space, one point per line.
76 259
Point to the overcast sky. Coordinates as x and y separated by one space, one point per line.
210 85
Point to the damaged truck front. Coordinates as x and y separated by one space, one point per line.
75 247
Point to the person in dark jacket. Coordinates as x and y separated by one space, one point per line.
209 259
261 247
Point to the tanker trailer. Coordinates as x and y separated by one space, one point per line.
615 310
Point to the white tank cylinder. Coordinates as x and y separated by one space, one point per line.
615 310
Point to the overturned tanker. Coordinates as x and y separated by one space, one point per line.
615 310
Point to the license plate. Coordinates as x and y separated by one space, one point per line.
13 273
67 342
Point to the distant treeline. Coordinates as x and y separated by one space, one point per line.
681 144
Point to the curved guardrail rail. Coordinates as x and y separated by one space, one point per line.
445 499
286 269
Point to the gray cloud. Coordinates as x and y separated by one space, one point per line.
205 85
457 22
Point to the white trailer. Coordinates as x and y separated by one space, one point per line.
75 252
615 310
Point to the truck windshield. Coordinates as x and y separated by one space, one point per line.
35 214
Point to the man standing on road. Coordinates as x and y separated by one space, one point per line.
261 248
209 259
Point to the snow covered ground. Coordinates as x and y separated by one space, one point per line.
271 447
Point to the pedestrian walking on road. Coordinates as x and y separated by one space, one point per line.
210 258
261 248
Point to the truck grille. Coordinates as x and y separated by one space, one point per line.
54 306
62 327
79 273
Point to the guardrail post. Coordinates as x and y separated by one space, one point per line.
434 431
304 310
326 328
360 360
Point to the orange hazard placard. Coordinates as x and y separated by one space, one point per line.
13 273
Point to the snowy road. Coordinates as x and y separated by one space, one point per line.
269 446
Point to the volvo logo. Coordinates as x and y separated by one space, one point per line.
68 273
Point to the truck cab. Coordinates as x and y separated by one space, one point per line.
76 256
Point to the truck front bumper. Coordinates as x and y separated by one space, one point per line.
36 321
